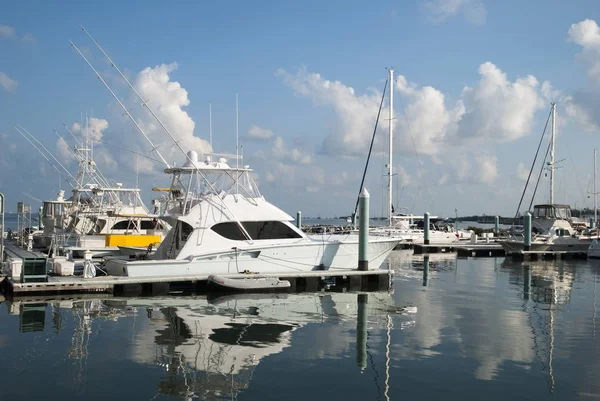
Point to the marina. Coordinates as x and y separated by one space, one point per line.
243 203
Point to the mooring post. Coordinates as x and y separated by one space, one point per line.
496 225
425 270
591 222
363 231
426 229
299 219
361 331
527 232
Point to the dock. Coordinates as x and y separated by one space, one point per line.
547 255
316 280
462 249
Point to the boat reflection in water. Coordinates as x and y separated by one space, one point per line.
210 347
547 288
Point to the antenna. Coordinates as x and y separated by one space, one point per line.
72 134
237 147
210 123
154 148
144 103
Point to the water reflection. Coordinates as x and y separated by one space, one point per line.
210 348
485 328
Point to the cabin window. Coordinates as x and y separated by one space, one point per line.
125 225
561 213
258 230
150 225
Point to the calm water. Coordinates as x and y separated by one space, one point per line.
484 329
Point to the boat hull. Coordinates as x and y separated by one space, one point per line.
307 255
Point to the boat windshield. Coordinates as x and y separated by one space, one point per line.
552 212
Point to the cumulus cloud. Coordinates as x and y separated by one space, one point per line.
289 156
7 32
494 110
168 99
582 105
498 109
8 84
94 130
355 114
260 134
440 10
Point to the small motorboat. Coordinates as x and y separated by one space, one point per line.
247 284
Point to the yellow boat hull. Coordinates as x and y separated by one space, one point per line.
132 240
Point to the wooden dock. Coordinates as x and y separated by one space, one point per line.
316 280
462 249
547 255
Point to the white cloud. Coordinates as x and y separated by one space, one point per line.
168 99
13 147
355 115
440 10
8 84
582 105
63 150
258 133
7 32
494 110
587 34
293 156
498 109
94 130
486 170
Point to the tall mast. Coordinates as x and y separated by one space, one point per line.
595 194
391 116
552 140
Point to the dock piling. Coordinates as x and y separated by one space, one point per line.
496 225
363 232
426 229
425 270
299 220
527 232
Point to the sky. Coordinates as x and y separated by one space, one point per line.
473 84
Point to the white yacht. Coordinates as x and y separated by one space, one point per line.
551 231
551 227
222 224
410 228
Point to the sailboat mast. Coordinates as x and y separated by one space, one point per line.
391 115
595 194
552 140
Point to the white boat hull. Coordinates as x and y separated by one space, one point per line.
558 244
282 258
594 250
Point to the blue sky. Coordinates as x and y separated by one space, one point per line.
292 65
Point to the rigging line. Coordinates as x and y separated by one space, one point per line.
362 182
154 148
46 149
532 165
144 103
129 150
539 176
47 159
412 141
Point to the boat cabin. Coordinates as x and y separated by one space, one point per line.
552 211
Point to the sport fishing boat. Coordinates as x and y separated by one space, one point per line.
222 224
